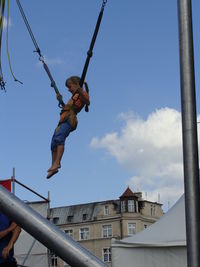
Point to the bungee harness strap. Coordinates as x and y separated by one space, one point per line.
53 83
41 58
90 51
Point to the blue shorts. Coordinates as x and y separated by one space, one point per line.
60 134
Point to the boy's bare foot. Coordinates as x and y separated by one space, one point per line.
54 167
51 173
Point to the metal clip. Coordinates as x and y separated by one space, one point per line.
2 85
41 58
104 3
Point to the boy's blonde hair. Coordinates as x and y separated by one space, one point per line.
73 79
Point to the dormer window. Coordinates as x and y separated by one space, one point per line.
123 206
55 220
153 210
106 210
84 216
131 206
129 201
70 218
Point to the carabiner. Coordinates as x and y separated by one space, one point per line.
104 3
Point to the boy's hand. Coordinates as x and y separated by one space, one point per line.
6 251
12 226
76 89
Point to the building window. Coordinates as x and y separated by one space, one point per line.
84 233
123 206
153 210
84 216
131 206
106 210
69 232
106 254
54 259
55 220
70 218
131 228
107 230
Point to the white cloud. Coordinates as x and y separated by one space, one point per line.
51 61
151 150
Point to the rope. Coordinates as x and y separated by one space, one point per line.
2 7
28 28
90 51
41 58
9 61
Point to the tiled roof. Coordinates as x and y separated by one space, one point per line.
127 193
80 213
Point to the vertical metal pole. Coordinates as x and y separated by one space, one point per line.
189 131
13 181
48 206
48 218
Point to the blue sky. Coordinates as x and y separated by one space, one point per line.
132 134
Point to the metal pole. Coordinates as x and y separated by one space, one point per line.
189 131
29 252
46 232
31 190
13 181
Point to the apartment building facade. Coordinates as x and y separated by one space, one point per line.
93 225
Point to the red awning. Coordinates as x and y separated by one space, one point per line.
6 184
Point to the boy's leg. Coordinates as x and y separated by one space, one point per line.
58 140
56 163
59 154
53 155
56 158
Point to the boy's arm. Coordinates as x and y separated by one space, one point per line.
15 234
8 230
84 95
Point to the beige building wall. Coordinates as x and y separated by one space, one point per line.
123 224
151 209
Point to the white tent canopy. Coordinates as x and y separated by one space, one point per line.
163 244
29 251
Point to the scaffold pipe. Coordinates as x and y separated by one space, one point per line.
46 232
189 133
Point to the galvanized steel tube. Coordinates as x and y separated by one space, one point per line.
46 232
189 130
